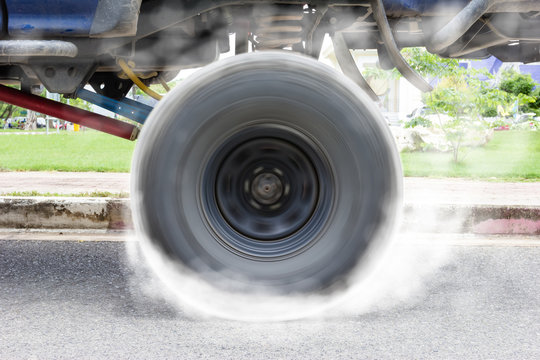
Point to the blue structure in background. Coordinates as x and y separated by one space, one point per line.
533 70
492 64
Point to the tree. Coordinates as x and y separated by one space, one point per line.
536 105
429 65
7 110
516 83
80 103
522 86
460 97
31 120
466 95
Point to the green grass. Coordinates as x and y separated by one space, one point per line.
510 155
23 131
66 151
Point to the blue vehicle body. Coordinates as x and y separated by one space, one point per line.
419 6
50 17
76 17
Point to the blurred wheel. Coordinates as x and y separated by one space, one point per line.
266 171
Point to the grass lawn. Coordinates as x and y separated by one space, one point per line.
22 131
510 155
67 151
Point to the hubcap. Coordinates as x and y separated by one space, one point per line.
264 195
267 188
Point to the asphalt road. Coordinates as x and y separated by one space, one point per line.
81 299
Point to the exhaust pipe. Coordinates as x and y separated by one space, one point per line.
459 24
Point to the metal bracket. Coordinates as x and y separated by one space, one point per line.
109 85
63 78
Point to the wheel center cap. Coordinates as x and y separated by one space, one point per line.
266 188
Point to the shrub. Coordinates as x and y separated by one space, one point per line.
515 83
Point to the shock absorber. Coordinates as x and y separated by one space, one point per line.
278 27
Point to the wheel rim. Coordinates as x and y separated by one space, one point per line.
267 192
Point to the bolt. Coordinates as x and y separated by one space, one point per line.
50 72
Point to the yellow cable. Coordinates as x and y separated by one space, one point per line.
137 81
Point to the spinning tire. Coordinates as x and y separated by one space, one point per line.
266 171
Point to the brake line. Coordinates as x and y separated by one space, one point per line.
131 75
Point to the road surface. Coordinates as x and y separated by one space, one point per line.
71 297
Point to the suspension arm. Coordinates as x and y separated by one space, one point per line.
68 113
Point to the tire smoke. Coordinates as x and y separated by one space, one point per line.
396 275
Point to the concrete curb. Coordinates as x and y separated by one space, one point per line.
472 219
64 213
115 214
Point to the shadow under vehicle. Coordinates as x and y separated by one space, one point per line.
266 169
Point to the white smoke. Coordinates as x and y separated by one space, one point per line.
397 275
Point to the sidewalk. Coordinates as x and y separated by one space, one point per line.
63 182
440 205
415 190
